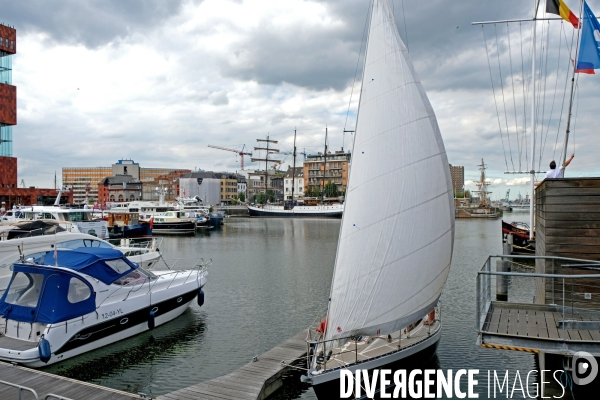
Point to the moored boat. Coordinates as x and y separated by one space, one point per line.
173 223
67 302
392 262
333 210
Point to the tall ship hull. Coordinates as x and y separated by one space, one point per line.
324 211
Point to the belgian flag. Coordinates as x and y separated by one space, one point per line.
559 7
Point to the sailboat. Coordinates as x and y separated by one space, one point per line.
290 209
393 262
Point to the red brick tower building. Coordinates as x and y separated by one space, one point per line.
10 193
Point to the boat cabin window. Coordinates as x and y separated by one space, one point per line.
119 265
48 216
25 289
134 209
136 277
78 291
77 243
77 216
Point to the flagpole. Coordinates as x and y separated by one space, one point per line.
532 172
580 27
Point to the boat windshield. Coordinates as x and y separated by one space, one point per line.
25 289
77 243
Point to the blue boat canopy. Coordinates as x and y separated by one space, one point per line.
38 293
106 265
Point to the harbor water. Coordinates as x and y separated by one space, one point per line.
270 279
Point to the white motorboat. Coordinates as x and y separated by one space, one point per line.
392 262
68 302
71 219
145 255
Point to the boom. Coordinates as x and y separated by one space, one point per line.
241 153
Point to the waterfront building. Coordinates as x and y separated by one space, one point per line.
256 184
241 184
320 169
168 184
229 184
204 184
10 193
119 188
457 173
80 178
295 177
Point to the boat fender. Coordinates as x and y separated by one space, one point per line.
328 355
151 323
44 350
200 297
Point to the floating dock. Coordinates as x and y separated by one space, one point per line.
256 380
19 382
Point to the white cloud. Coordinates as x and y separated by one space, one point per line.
160 88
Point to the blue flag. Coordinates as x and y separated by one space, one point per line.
589 47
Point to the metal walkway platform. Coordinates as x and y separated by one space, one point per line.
530 327
255 380
568 322
45 384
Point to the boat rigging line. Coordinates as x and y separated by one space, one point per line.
487 53
362 41
503 99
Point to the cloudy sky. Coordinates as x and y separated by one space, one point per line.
157 81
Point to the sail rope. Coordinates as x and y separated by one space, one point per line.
545 90
553 96
487 53
525 87
503 98
405 30
514 96
362 42
562 108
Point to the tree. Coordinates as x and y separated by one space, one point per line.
242 197
331 190
271 196
260 198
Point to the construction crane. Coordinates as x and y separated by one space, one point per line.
240 153
287 153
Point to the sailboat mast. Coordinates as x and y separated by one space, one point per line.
532 172
564 156
294 169
324 167
266 169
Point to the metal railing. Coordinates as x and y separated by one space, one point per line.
23 389
571 289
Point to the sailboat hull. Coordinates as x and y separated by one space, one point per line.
327 385
325 211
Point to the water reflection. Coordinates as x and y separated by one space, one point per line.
143 353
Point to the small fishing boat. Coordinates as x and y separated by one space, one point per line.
173 223
123 224
392 262
68 302
521 242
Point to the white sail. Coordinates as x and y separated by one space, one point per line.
397 231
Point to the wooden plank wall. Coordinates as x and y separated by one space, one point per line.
567 224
